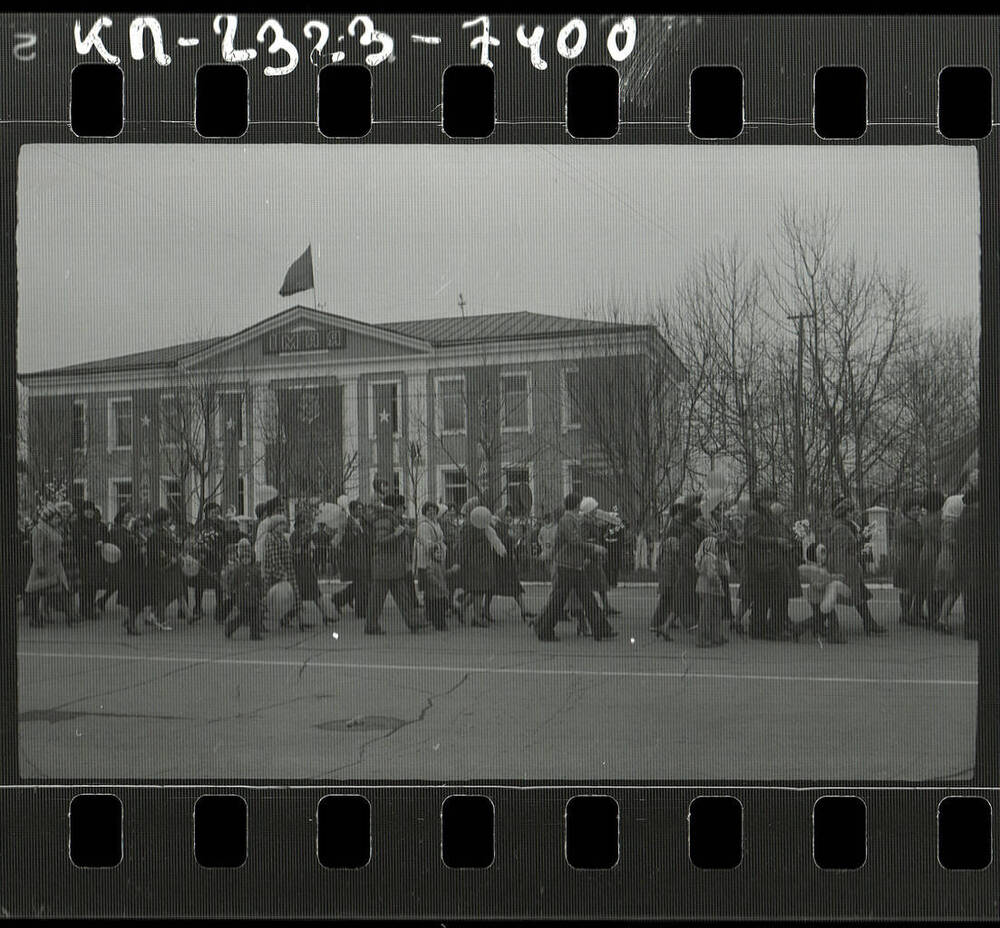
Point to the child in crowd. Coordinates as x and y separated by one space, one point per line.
247 585
822 591
712 565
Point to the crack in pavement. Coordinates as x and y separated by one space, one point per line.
389 734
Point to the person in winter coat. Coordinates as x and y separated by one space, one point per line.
246 584
207 542
391 563
711 563
47 578
163 556
945 582
135 589
689 537
594 533
571 554
972 563
823 591
87 536
768 548
547 540
927 563
302 561
279 567
477 566
905 556
667 570
429 553
354 554
506 573
113 572
844 557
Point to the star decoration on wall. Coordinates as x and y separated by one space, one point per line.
145 420
383 416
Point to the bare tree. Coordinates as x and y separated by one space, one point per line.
54 454
190 452
634 406
855 321
727 343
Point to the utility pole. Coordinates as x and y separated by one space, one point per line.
799 480
461 304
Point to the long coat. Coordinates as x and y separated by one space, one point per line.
929 551
476 557
301 544
506 580
354 556
594 533
906 545
47 570
136 589
844 557
684 597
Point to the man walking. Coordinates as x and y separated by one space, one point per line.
393 549
570 556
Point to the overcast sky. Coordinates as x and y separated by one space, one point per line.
123 248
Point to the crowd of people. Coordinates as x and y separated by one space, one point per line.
451 563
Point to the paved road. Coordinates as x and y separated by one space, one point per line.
334 704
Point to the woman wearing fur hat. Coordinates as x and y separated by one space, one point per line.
507 581
844 557
47 577
905 556
477 564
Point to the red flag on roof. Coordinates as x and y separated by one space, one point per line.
300 274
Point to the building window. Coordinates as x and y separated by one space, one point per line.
78 492
573 478
571 399
241 497
517 490
515 391
173 499
453 486
121 494
230 415
451 404
120 425
170 421
79 425
392 409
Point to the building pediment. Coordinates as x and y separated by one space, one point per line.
301 334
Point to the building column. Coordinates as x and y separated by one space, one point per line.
417 416
256 445
353 431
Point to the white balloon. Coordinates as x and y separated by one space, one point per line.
112 554
280 600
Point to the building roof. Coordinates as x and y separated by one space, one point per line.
456 330
449 331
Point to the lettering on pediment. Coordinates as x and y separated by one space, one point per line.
315 338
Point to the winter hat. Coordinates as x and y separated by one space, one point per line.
64 508
588 504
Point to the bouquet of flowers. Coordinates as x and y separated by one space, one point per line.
869 533
801 529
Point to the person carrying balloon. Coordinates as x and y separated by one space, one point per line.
246 583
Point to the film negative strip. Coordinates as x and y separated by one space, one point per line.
499 466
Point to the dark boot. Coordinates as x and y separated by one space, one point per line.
871 626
